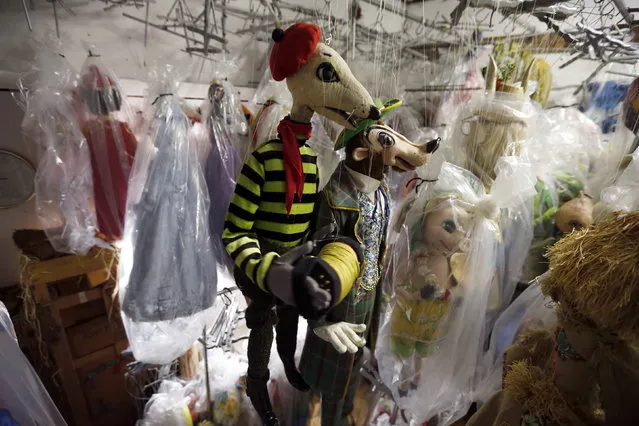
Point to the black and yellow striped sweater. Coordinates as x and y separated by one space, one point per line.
258 211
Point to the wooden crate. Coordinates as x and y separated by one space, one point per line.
77 293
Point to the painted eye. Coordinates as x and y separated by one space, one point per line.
449 226
385 139
327 73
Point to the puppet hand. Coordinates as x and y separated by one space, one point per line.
343 336
279 279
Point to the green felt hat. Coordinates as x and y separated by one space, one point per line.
385 107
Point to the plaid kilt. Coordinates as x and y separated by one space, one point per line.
323 368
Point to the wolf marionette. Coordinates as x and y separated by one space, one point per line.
355 204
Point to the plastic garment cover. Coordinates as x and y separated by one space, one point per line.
561 156
530 311
23 399
489 127
272 102
324 147
225 126
168 269
64 179
624 195
443 283
111 144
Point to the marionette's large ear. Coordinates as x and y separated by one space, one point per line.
491 75
361 153
526 77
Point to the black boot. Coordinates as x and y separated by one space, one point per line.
258 393
294 376
286 340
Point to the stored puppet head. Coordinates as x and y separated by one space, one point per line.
445 224
100 93
573 209
373 146
496 128
318 78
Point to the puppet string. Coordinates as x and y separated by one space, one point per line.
342 258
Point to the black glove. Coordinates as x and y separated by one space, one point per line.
314 269
281 283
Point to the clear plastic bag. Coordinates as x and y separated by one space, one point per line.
168 269
64 177
111 142
324 147
273 101
624 194
561 156
226 130
23 399
530 311
444 284
489 127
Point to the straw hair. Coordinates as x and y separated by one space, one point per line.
539 394
595 276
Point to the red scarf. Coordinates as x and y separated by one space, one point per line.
293 168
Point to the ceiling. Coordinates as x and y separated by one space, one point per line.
117 32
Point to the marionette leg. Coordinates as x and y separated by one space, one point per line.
403 349
417 365
337 409
260 319
286 340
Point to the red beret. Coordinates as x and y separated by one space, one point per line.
293 48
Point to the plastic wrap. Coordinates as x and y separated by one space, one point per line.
23 399
324 147
489 127
624 194
272 101
64 179
168 269
443 284
530 311
226 129
561 156
111 142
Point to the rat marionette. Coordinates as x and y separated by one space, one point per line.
111 144
355 203
587 371
271 212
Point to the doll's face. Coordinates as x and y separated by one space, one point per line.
575 214
445 228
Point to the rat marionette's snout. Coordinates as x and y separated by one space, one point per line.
374 113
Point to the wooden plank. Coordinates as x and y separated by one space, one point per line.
69 266
93 357
98 277
70 382
77 298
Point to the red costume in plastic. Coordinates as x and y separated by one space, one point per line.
112 146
